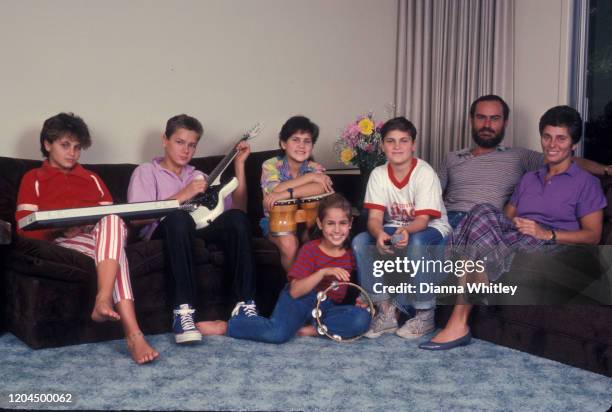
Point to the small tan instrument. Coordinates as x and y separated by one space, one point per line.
286 214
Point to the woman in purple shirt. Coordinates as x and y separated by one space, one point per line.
557 204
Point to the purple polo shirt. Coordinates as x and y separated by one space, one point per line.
560 202
150 181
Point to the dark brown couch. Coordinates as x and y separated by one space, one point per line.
48 291
579 333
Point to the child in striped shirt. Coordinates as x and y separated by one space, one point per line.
318 263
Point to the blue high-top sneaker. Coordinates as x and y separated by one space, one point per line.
183 326
247 308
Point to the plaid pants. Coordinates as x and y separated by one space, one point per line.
487 234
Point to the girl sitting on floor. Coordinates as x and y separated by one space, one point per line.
319 262
290 176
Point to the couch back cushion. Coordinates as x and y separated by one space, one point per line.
253 177
11 172
117 179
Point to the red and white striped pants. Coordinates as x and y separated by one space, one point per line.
105 241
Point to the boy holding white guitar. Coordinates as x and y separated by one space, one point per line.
216 214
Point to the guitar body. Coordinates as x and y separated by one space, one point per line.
211 203
206 207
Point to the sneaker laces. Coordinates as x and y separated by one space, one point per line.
420 322
388 317
249 309
381 320
186 318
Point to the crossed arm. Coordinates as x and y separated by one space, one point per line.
306 185
589 232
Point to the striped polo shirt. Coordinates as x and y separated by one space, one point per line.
311 258
468 180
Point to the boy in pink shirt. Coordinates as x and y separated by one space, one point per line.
171 177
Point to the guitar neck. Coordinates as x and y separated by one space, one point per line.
212 177
220 168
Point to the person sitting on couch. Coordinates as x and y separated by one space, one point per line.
62 183
559 203
404 202
461 172
291 176
171 177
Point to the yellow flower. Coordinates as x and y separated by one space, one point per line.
346 155
366 126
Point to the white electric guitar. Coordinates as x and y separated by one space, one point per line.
207 206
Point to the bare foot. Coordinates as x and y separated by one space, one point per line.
103 311
212 327
307 330
140 350
450 333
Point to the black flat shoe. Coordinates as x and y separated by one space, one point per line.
462 341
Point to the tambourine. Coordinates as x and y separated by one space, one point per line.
322 296
286 214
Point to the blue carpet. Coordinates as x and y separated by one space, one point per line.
221 373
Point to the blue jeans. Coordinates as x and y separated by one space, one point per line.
291 314
419 246
454 218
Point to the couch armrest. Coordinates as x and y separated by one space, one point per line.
5 233
40 258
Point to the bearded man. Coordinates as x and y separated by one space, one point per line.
488 171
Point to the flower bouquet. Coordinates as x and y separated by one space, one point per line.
360 144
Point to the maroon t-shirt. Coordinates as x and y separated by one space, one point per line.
311 258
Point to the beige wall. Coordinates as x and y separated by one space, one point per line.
127 66
541 41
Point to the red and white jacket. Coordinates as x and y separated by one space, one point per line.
48 188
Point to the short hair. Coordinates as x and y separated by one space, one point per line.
63 124
183 121
299 124
563 116
399 123
490 98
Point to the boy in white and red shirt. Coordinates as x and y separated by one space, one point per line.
60 183
404 199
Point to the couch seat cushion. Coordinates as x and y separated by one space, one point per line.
44 259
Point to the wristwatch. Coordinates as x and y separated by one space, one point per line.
606 170
553 238
290 190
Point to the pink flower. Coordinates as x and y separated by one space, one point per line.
354 130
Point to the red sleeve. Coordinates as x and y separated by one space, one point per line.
304 263
374 206
107 198
28 202
435 214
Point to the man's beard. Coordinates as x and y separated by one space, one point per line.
489 142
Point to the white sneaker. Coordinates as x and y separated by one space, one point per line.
383 322
421 324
